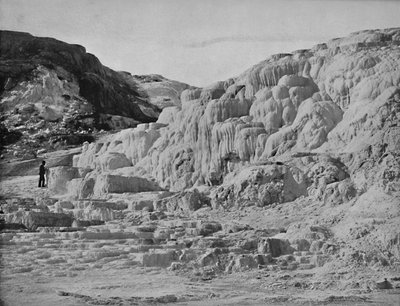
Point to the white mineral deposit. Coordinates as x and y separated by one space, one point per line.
277 186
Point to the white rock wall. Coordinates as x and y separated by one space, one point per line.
310 101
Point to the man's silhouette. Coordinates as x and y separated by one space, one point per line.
42 172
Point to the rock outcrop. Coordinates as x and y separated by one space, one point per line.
32 220
54 94
51 75
339 98
261 186
291 167
159 90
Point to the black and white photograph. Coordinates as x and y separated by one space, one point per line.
200 153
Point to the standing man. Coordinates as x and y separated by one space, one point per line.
42 172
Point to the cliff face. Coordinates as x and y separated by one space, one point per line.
54 94
159 90
291 168
52 76
340 99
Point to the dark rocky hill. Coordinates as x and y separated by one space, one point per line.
28 59
53 93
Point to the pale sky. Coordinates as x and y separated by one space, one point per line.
194 41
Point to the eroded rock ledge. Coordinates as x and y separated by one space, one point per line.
291 166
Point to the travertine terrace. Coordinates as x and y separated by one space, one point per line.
278 186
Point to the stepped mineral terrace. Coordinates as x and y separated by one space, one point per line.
279 186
